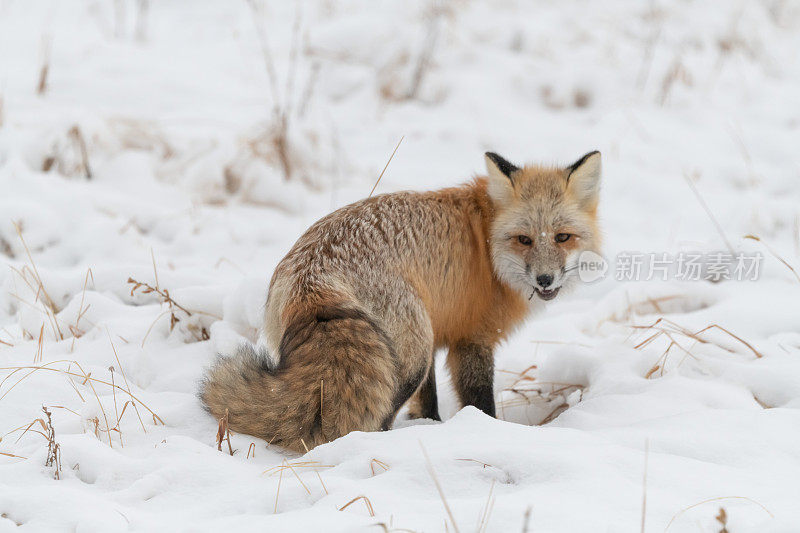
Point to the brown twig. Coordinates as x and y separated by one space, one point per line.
386 166
644 484
44 68
775 255
224 434
432 473
690 183
53 448
367 503
146 288
87 378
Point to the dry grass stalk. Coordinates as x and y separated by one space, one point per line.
296 464
100 404
647 60
319 476
557 410
78 139
424 60
644 484
483 521
375 462
251 448
669 327
722 518
661 363
432 473
738 138
40 346
690 182
775 255
484 465
386 166
127 386
116 411
6 249
36 285
172 306
526 520
720 498
75 329
367 503
224 434
44 68
257 13
537 390
289 465
13 456
53 448
87 378
676 72
277 137
278 492
29 427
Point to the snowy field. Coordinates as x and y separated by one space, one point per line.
157 159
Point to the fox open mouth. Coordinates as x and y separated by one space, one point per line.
546 294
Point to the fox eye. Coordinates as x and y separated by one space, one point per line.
562 237
524 239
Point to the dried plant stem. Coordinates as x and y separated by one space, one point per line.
716 500
87 378
77 136
386 166
224 434
432 473
644 483
53 448
775 255
690 183
52 308
278 492
127 385
44 69
76 332
367 503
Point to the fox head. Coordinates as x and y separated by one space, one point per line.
544 217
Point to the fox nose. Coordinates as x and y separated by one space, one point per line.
544 280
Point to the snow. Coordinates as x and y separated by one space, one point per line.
188 193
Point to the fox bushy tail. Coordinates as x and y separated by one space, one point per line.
336 374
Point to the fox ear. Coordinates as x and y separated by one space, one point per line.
583 179
501 181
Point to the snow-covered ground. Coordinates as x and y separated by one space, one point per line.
187 144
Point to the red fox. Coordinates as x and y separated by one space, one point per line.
365 297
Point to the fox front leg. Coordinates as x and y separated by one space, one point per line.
472 368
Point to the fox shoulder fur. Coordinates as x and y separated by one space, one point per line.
359 305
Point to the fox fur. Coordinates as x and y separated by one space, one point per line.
365 297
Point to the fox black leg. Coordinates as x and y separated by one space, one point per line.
472 368
428 402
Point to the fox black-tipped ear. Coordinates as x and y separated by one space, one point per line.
583 178
501 182
495 164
